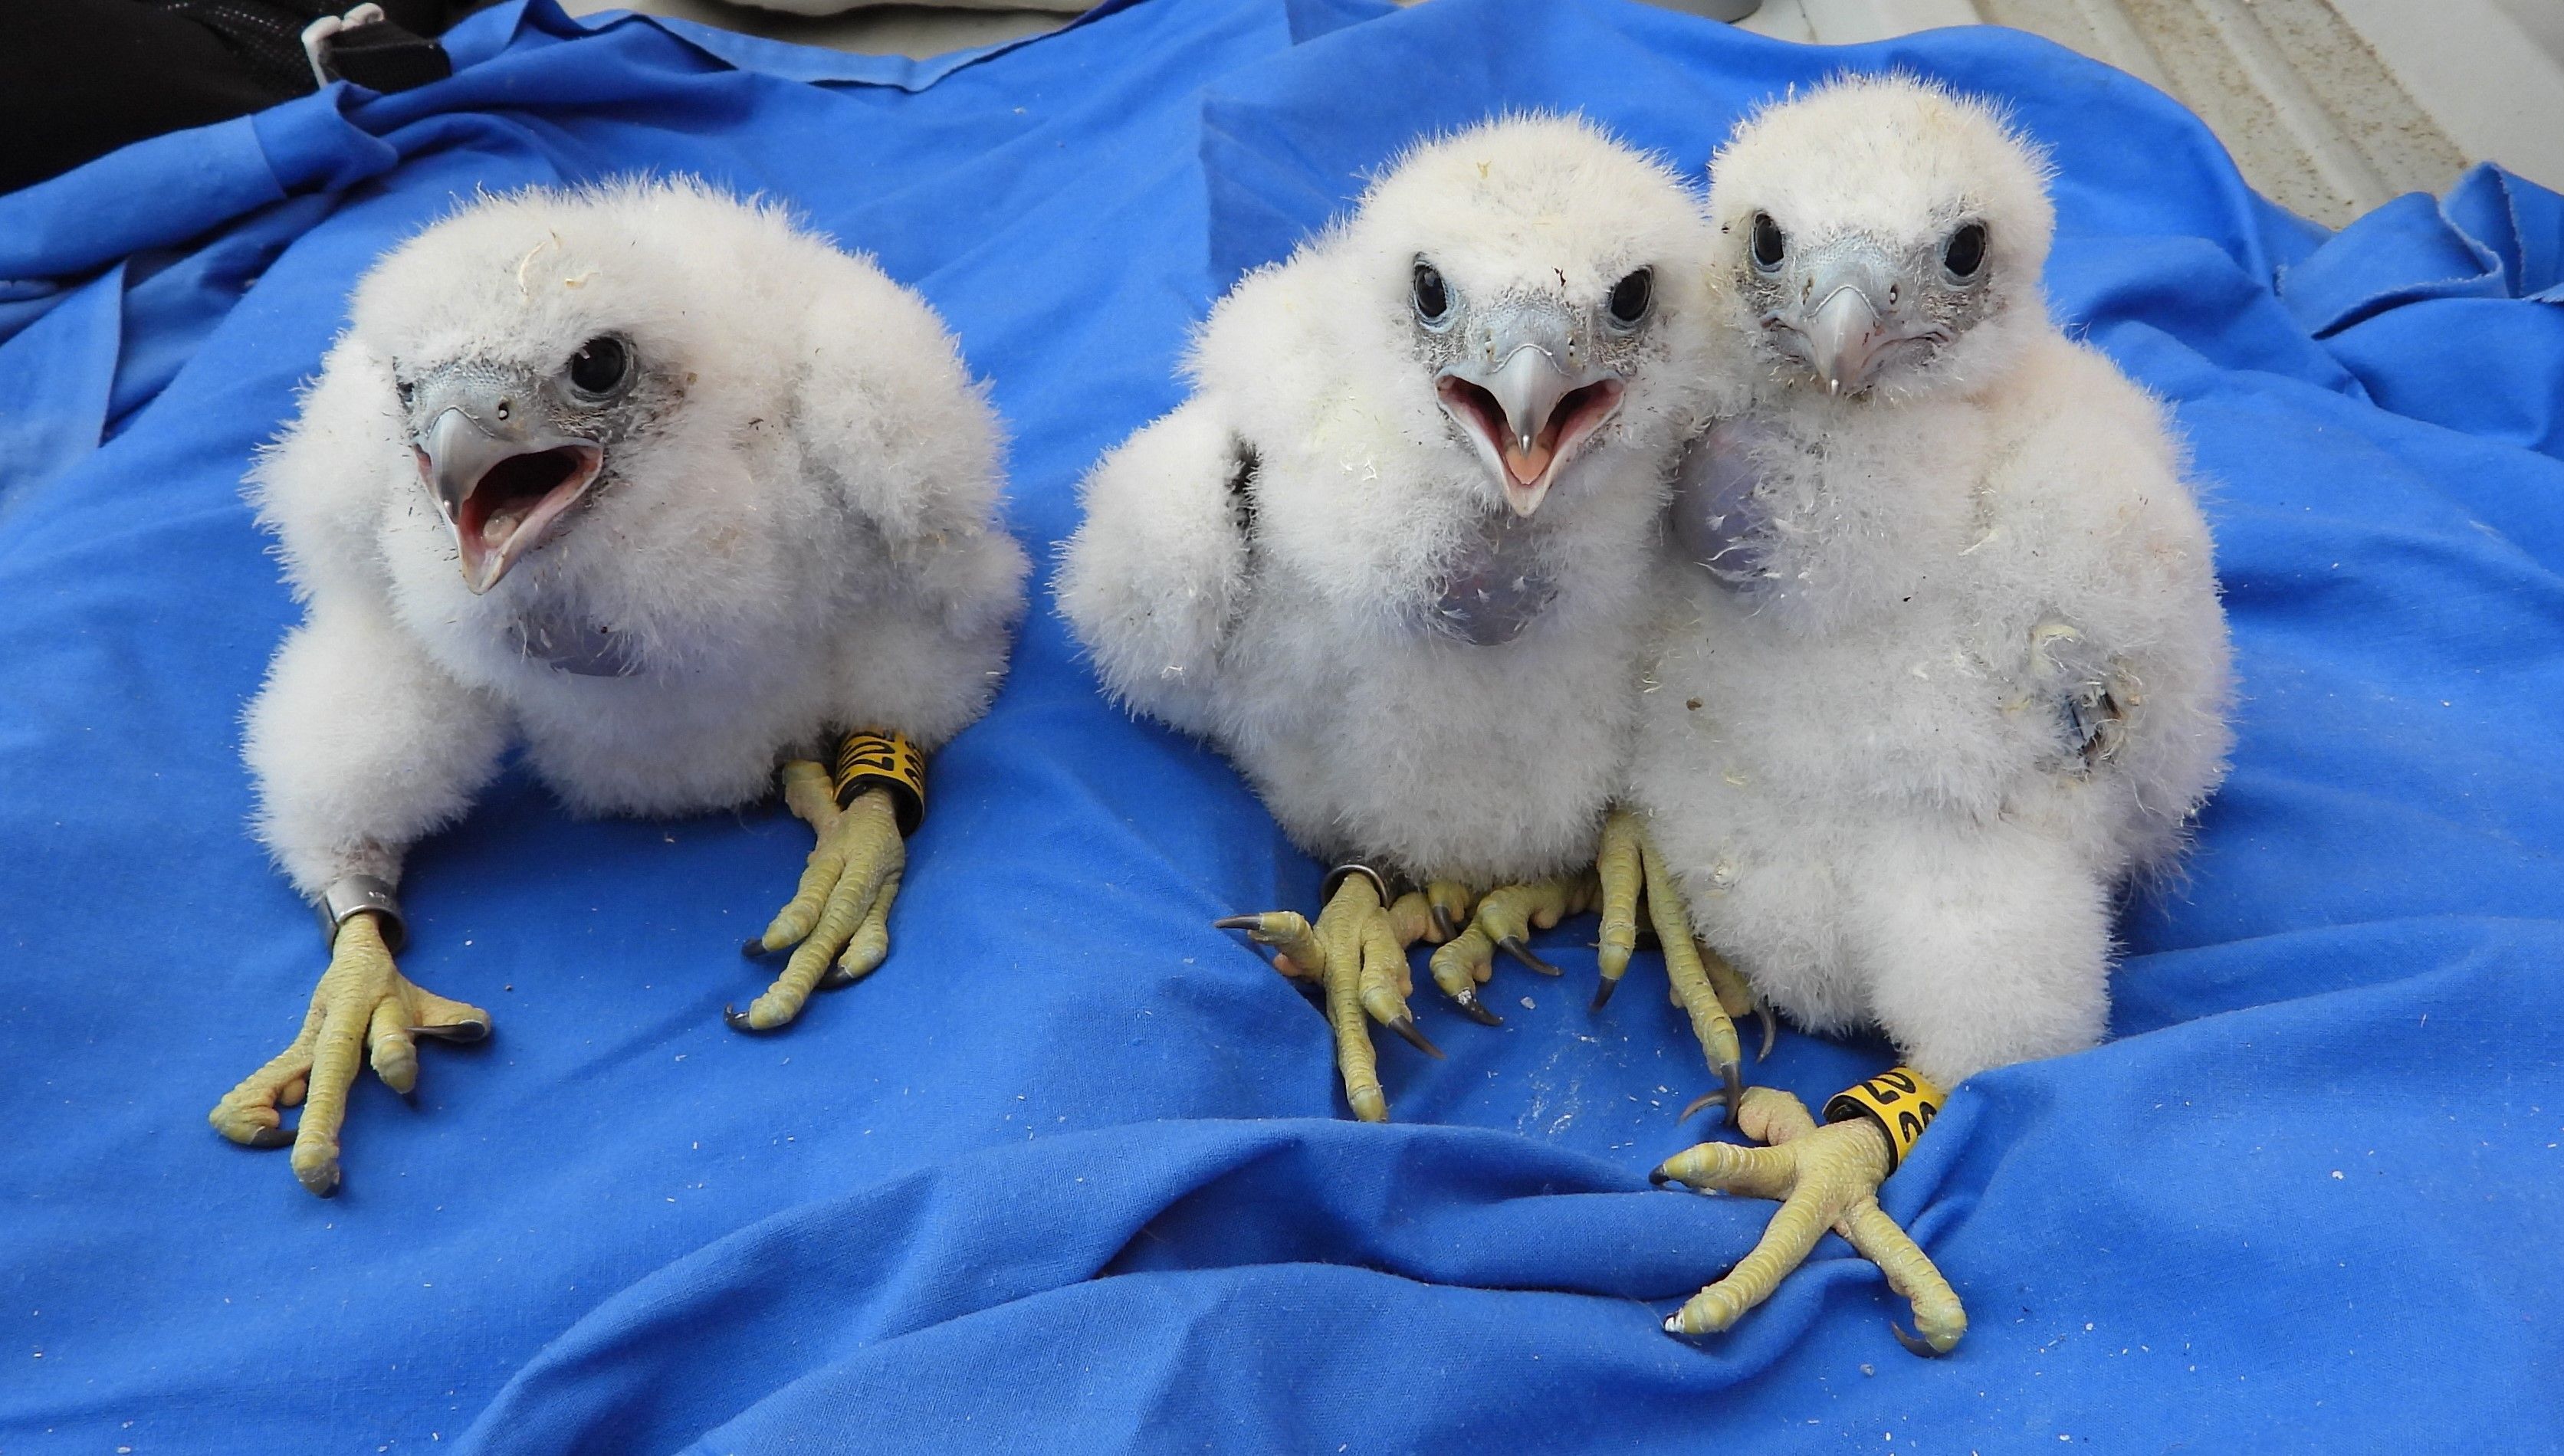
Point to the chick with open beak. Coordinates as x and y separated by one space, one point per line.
1530 382
1396 552
509 454
722 502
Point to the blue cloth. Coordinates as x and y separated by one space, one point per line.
1070 1172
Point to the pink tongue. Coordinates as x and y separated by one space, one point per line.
1526 468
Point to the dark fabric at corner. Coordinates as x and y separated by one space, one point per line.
81 78
1069 1172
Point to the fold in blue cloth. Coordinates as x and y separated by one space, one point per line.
1069 1172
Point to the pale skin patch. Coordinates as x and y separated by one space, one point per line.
363 1004
838 920
1825 1176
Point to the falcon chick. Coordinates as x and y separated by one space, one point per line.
1954 669
665 490
1392 554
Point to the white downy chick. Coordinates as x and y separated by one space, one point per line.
1393 553
1954 668
1949 668
657 485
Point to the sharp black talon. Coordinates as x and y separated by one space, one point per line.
1916 1342
1603 993
270 1137
1734 1076
1771 1032
1442 923
1406 1026
1658 1178
1238 923
835 978
739 1021
1471 1007
461 1033
1702 1100
1514 946
755 947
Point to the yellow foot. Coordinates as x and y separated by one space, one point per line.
1826 1177
1504 922
1357 953
1704 985
362 1002
839 920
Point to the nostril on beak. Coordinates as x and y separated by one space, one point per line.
507 407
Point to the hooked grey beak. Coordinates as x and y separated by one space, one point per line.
1843 339
1525 400
1857 320
502 477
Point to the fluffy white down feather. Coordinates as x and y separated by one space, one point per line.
1296 641
1859 762
807 540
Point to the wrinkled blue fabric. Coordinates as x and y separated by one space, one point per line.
1070 1172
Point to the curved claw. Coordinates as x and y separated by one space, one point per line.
1734 1076
754 948
1238 923
739 1021
1519 950
1475 1009
1770 1031
1722 1094
460 1033
1406 1026
1444 927
835 978
1916 1344
1731 1095
270 1137
1603 993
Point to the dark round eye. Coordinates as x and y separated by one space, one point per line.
601 365
1632 296
1967 251
1432 297
1769 245
407 391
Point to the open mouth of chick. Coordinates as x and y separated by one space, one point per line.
1530 472
514 505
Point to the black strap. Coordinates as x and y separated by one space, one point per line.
383 57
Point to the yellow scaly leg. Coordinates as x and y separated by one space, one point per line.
1505 918
839 920
362 1002
1826 1177
1357 953
1709 990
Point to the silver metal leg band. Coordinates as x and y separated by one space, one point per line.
1336 878
350 894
